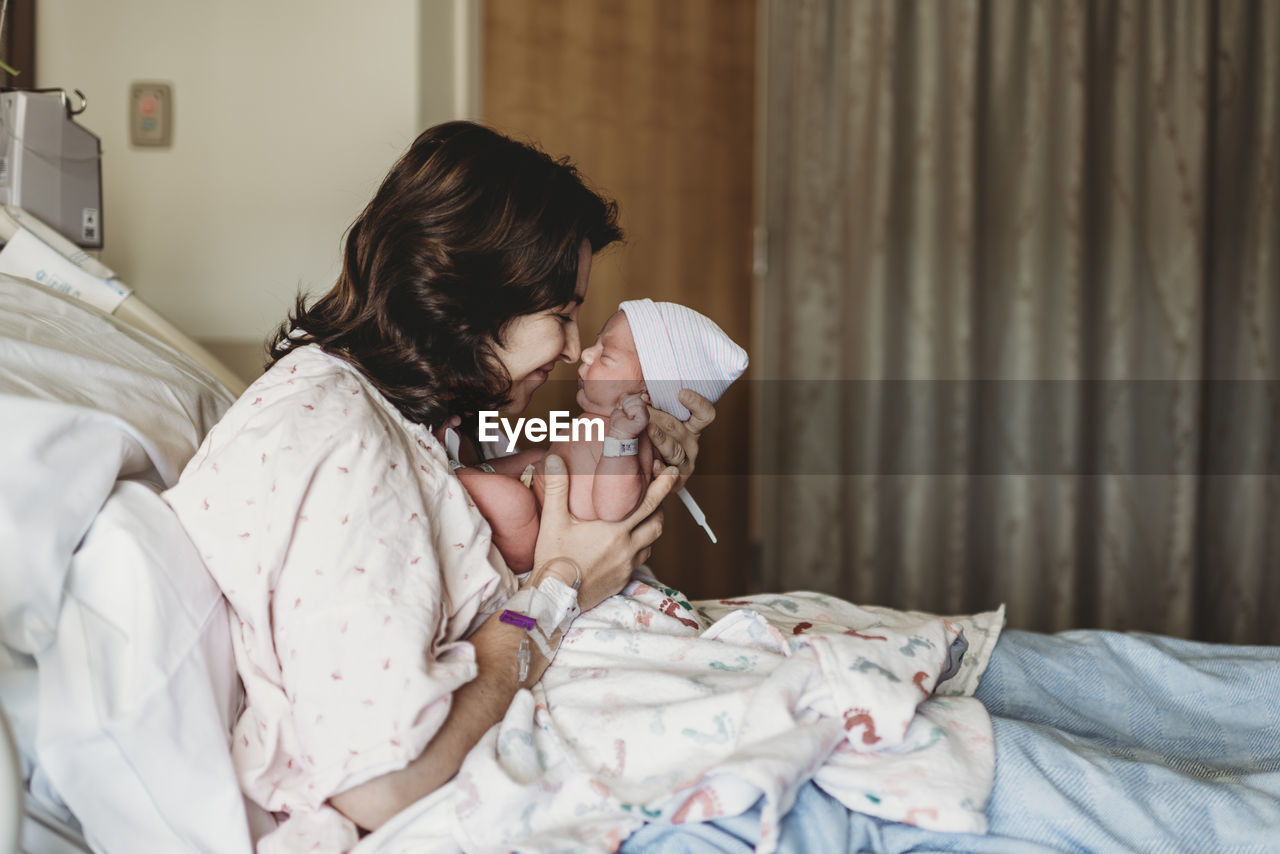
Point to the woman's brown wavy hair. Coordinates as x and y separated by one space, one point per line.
469 230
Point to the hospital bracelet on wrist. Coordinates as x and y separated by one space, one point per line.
615 447
540 610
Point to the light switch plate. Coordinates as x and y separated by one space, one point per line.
151 114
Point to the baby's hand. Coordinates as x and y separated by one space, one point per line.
629 417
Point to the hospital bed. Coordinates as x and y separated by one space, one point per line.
118 688
115 666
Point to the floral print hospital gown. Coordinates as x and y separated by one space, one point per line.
355 565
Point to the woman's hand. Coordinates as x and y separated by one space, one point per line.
677 441
605 551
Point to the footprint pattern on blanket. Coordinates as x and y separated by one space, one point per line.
664 708
720 736
863 665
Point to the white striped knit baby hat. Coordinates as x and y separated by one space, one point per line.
680 348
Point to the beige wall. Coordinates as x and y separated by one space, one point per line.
286 115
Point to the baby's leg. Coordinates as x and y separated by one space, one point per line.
510 509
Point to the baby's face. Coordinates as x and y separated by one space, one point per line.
610 368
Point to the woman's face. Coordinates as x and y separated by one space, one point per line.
533 343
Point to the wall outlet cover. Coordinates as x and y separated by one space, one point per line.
151 114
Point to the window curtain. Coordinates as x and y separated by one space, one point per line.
1019 327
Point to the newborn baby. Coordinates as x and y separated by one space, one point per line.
645 353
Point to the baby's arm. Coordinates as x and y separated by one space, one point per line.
582 458
603 487
620 482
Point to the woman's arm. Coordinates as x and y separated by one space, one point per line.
606 552
475 707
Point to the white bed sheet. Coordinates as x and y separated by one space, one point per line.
116 669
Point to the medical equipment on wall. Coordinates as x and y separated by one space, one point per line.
51 192
50 166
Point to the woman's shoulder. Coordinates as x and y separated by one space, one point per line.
309 383
298 371
312 402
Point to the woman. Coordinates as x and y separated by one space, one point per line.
362 580
363 583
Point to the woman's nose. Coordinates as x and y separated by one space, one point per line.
572 346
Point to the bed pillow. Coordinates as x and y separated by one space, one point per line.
85 400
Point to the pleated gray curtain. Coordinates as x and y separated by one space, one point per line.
1020 321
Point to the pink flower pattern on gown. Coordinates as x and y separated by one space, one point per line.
354 573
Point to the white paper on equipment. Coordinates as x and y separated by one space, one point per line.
29 257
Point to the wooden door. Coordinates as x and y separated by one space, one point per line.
654 101
18 45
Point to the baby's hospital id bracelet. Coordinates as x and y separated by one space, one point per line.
615 447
